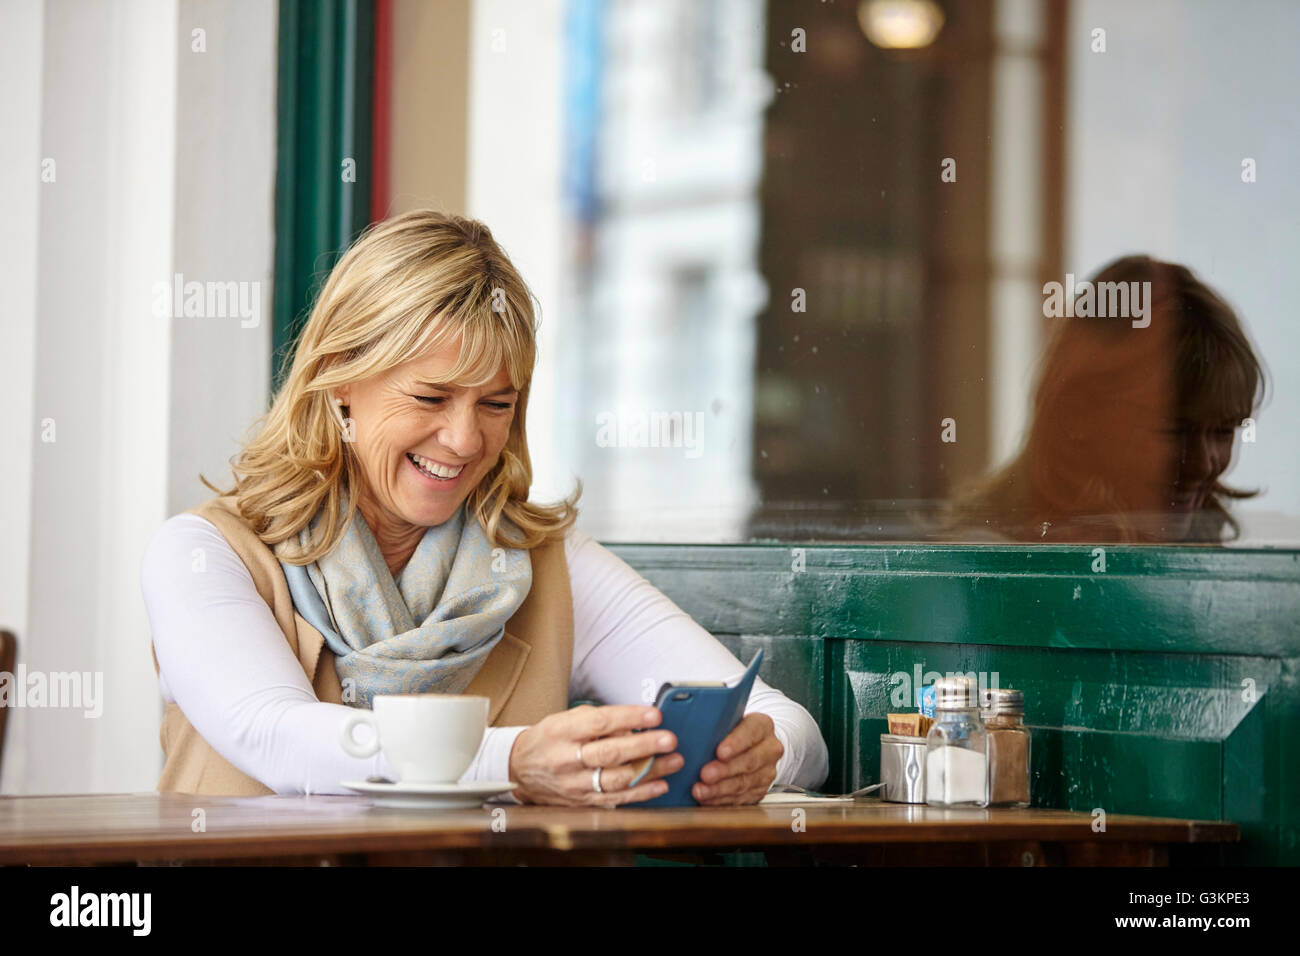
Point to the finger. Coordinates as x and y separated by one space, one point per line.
717 770
618 780
614 797
766 753
724 791
753 795
623 776
665 765
612 779
626 748
588 723
744 789
726 786
748 732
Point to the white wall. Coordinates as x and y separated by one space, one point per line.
164 163
514 186
1158 127
21 56
224 230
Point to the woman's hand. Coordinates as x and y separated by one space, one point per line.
746 765
544 759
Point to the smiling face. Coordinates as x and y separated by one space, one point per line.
1200 452
424 443
1205 453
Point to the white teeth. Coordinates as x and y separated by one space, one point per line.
435 469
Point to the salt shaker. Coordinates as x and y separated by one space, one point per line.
956 749
1004 718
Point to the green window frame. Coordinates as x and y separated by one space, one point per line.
326 75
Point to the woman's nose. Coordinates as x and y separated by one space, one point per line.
1203 454
460 433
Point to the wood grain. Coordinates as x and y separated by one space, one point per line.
160 828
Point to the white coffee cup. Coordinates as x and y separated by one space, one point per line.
428 738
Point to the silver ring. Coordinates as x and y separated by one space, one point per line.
595 780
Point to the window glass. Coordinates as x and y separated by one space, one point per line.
1015 270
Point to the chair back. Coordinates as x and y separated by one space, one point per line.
8 654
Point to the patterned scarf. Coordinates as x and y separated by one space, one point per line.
427 631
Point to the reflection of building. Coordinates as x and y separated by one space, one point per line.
918 295
668 285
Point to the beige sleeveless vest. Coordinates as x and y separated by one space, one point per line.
525 677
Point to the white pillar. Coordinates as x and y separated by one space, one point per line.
164 162
21 55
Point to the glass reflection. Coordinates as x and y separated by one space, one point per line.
1133 423
825 256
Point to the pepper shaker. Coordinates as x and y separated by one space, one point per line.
1009 743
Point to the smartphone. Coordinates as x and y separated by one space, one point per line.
700 714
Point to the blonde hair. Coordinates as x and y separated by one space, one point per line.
407 285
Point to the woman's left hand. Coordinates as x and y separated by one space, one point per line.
746 765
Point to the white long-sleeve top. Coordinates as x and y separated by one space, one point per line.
223 659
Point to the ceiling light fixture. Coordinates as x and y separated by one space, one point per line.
900 24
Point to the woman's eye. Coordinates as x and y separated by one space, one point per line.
439 399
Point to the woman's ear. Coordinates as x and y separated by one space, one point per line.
341 395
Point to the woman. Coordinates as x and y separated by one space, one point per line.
378 538
1133 425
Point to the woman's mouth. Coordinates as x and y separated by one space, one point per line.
434 472
1186 499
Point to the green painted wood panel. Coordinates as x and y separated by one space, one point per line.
1189 599
1090 713
1165 684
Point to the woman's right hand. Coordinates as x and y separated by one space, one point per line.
544 759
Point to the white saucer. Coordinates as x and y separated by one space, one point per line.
429 796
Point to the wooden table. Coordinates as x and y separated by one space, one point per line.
167 828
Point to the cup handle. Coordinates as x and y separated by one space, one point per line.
368 749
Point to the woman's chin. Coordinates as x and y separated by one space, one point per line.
422 508
1177 525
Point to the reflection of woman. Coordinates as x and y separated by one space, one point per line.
379 539
1132 426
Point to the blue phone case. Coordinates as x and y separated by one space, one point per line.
701 717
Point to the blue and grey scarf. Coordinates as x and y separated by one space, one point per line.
427 631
